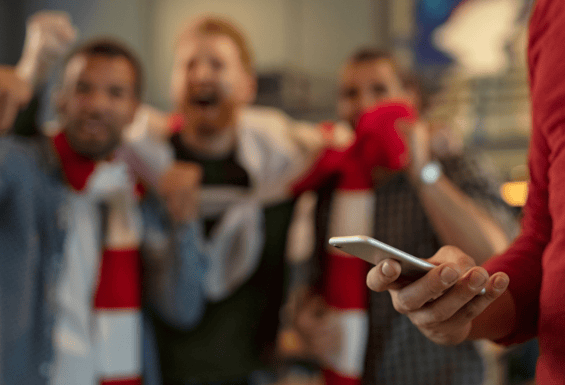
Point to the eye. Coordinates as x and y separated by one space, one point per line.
349 93
216 64
378 89
82 87
117 92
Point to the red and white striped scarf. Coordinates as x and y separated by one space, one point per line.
377 143
97 334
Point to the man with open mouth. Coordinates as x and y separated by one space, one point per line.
244 211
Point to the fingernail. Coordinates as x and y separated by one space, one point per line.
477 280
448 275
388 270
500 283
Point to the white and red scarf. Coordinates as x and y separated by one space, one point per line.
97 336
272 159
376 144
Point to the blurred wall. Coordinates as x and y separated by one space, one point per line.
12 20
311 36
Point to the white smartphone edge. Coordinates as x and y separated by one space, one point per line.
339 242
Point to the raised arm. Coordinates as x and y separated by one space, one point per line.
49 35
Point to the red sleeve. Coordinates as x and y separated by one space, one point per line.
377 143
523 261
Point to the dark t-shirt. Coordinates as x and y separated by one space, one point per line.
236 335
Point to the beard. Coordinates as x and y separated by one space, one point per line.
92 138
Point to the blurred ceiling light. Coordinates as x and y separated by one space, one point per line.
514 193
476 33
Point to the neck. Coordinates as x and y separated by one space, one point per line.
210 146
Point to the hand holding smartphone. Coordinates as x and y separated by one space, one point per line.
374 252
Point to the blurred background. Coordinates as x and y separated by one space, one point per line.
470 54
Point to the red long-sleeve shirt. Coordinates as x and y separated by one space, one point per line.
536 260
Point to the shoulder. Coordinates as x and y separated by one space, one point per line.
268 128
271 124
260 117
283 131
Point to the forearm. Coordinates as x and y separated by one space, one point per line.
175 290
459 221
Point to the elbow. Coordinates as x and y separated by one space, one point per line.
183 321
185 315
188 320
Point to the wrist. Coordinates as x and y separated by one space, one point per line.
24 70
27 70
427 175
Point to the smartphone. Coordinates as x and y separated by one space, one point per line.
374 251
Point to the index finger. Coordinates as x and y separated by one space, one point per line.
437 283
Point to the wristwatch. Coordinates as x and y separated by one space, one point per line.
431 172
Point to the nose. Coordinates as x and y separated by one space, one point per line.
366 101
202 72
98 101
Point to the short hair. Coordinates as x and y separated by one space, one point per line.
112 48
408 79
212 25
368 54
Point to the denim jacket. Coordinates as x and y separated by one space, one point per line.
32 234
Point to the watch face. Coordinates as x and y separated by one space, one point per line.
430 173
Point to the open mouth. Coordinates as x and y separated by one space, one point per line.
210 99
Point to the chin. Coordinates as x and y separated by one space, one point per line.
208 130
100 150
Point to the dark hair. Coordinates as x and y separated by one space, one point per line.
409 80
366 54
111 48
